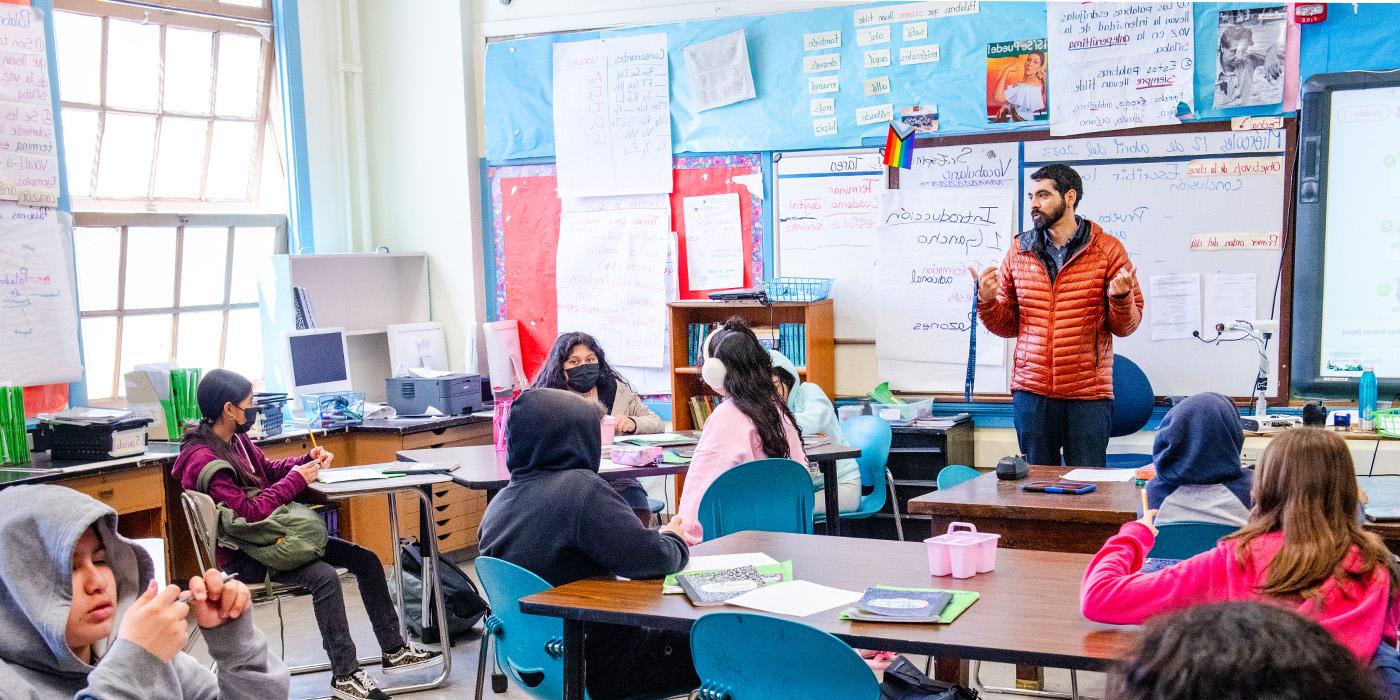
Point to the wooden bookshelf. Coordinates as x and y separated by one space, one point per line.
685 378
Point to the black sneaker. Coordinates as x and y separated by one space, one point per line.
409 657
357 686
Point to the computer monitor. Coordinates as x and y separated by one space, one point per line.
415 345
318 360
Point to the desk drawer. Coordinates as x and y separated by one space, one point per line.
440 438
453 541
125 491
450 493
449 510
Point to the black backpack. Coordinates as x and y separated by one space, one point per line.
904 681
464 603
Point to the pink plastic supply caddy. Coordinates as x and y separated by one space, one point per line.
962 552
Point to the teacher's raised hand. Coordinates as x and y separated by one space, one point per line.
1124 282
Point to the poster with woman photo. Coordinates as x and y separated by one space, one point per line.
1249 59
1016 73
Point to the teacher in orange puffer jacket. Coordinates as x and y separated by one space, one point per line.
1064 290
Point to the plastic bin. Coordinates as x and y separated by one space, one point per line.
797 288
903 413
333 409
986 543
954 554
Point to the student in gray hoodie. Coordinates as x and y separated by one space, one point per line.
82 617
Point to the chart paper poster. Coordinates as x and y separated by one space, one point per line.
611 274
28 151
1174 305
1119 65
1016 73
612 116
1249 57
38 313
714 241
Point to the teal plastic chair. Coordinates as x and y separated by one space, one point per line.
744 656
772 495
872 436
955 474
529 648
1186 540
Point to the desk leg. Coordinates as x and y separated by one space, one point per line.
398 565
432 587
952 670
574 632
833 508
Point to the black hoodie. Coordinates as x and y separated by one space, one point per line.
557 517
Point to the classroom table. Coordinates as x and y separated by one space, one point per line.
422 486
1028 612
1064 523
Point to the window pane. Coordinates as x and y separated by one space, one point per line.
133 64
189 57
251 246
125 168
230 160
240 72
181 159
144 339
202 269
98 257
80 149
99 355
150 269
243 350
200 334
78 40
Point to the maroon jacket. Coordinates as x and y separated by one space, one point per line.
280 483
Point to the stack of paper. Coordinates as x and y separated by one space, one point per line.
88 415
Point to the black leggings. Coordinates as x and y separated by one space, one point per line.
320 578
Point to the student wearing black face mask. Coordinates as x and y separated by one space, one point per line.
577 363
256 486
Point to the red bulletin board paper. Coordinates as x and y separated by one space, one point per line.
703 181
530 233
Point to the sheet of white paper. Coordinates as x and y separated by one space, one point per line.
652 438
795 598
610 274
379 411
1229 298
341 474
38 314
714 241
1100 475
719 71
1119 65
714 562
428 372
612 116
29 172
1174 305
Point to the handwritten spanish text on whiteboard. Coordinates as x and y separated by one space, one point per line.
1209 143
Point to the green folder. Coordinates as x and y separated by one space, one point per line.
14 444
962 600
784 568
882 394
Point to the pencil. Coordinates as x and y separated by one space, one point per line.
1143 494
312 433
187 596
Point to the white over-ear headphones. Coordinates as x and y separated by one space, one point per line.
713 370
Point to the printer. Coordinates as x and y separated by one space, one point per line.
453 394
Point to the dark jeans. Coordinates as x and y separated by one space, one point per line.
319 577
629 662
1045 426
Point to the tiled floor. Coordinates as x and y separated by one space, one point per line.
303 644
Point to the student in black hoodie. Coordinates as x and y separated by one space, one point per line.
560 520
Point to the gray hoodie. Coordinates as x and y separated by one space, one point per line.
39 527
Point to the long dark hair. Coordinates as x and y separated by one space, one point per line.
748 379
216 389
551 375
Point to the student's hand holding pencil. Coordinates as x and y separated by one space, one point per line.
216 599
322 455
1149 516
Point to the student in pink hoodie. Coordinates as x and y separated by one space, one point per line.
751 423
1302 549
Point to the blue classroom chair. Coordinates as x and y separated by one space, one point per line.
1185 540
745 656
1132 408
955 474
772 495
872 436
529 648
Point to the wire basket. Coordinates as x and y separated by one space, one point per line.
1388 422
797 288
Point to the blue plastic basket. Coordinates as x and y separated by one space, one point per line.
797 288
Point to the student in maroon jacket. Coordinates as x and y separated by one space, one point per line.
258 486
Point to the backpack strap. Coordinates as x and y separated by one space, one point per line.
207 474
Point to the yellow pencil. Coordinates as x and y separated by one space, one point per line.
1143 493
312 433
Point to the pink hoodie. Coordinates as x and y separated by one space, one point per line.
729 439
1357 613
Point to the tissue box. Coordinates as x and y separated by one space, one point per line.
635 455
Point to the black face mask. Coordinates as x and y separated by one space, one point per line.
584 377
250 416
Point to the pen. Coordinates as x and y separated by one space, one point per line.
186 596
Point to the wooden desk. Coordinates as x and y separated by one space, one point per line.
483 469
1028 612
1025 520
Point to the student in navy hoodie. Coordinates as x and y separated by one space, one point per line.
558 519
1197 456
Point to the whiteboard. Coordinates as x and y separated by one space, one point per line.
1156 208
38 310
828 213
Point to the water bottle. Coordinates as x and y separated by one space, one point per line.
1366 402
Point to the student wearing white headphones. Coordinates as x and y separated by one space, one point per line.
752 422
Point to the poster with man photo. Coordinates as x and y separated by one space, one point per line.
1016 73
1249 59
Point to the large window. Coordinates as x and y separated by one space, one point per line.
176 180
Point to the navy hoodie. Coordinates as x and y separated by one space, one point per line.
558 518
1198 444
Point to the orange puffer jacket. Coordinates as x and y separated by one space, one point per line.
1063 346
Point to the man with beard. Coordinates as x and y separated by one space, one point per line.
1064 290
